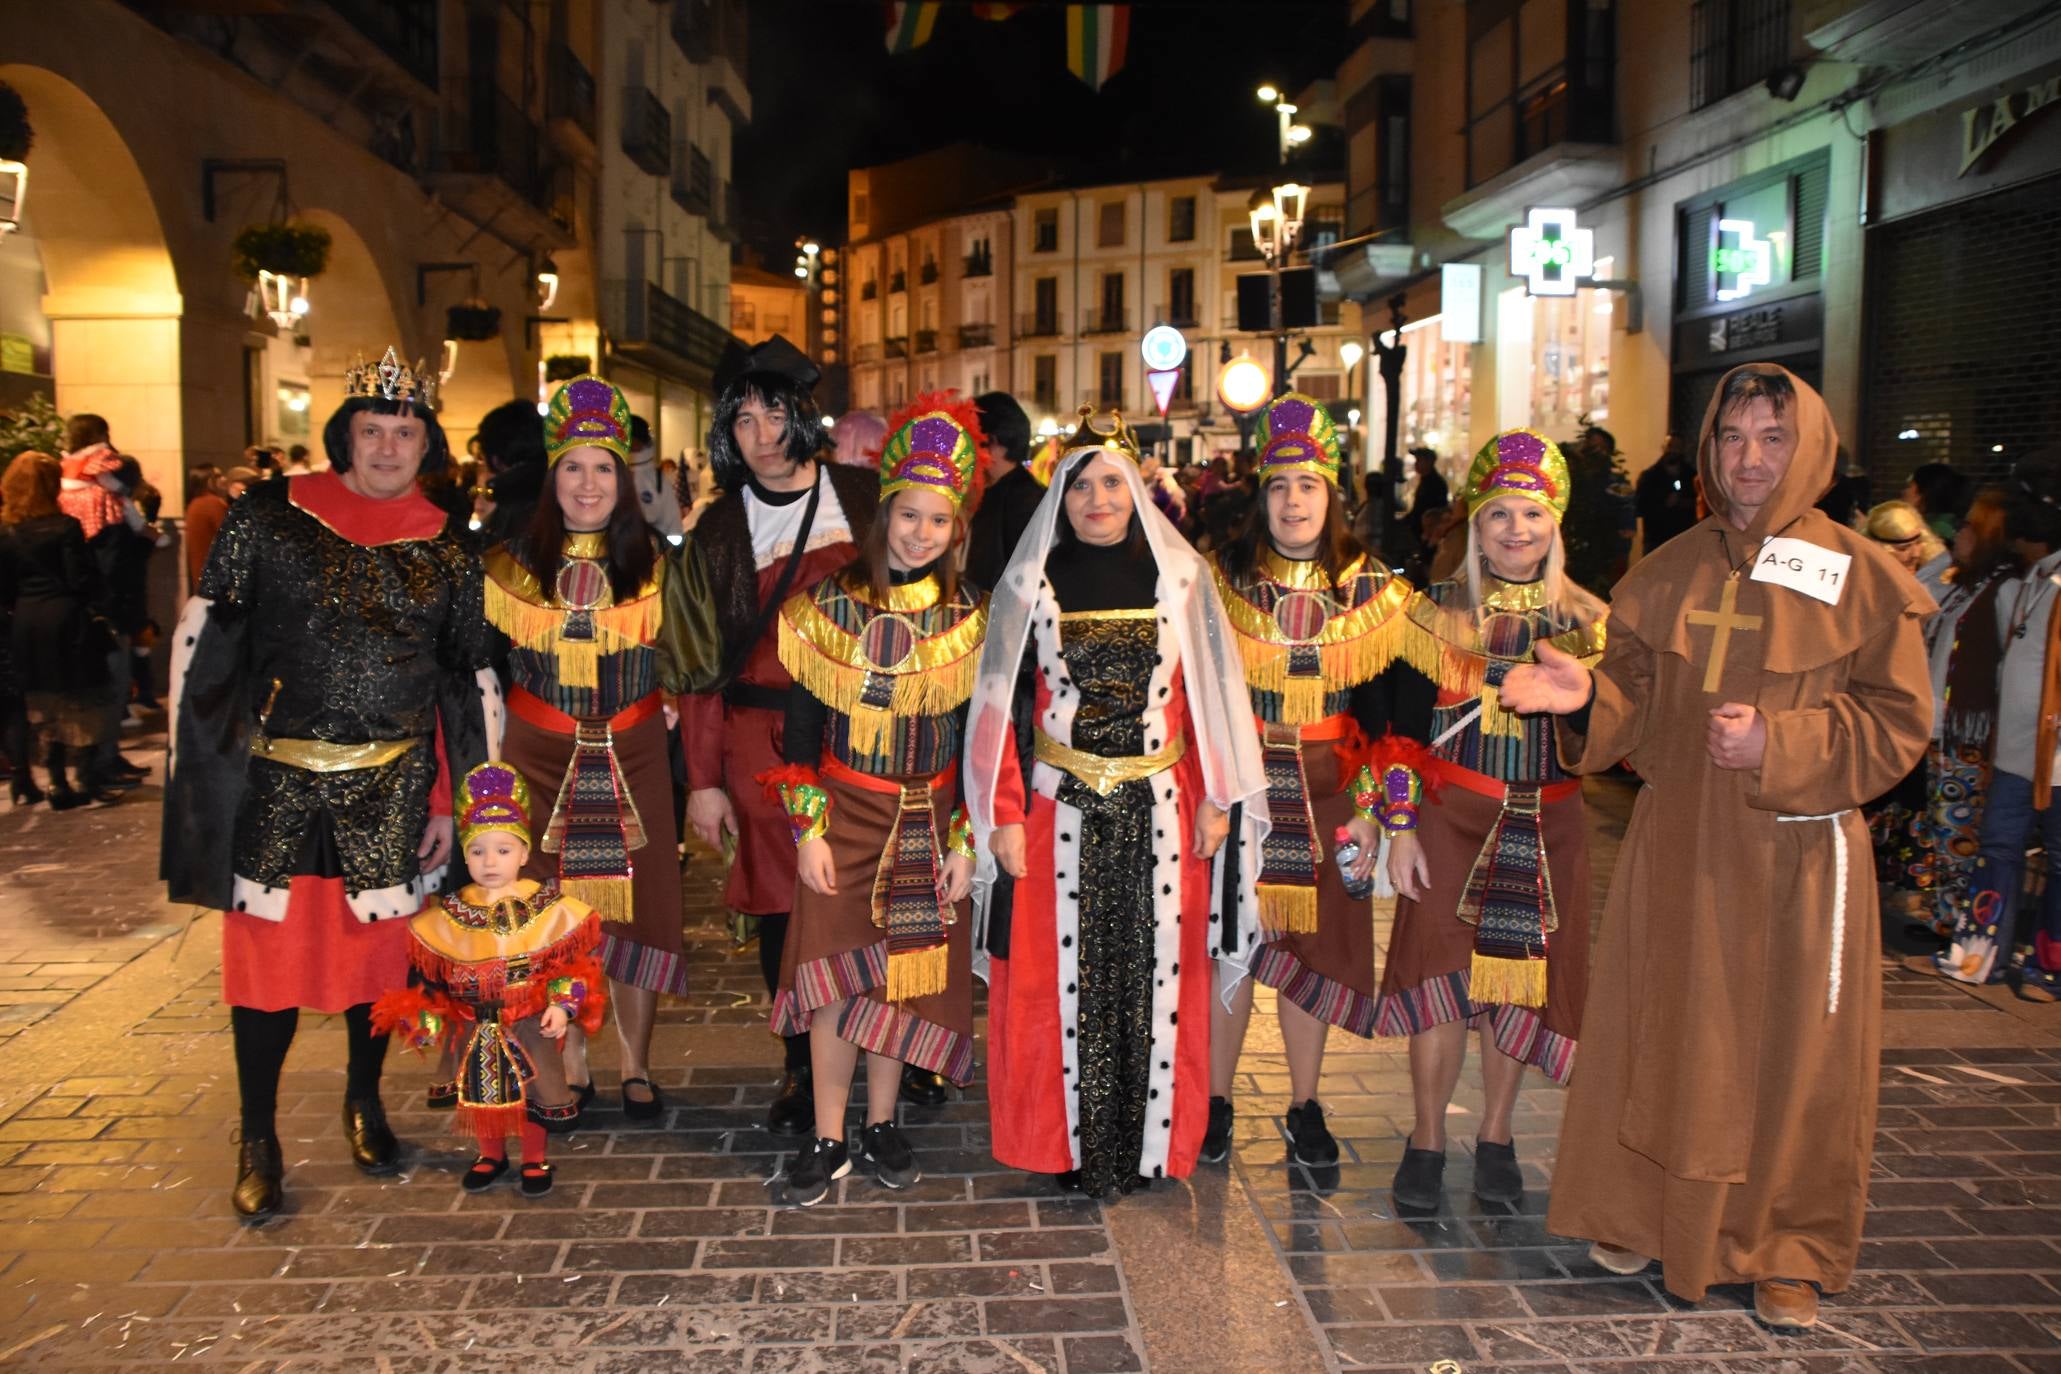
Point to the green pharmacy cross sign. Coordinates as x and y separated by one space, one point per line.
1552 253
1740 264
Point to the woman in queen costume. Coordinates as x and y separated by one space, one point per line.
1106 644
600 626
1492 868
879 954
498 970
1316 620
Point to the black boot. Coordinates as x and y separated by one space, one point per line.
922 1088
373 1147
793 1112
259 1169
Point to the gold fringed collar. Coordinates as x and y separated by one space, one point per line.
1353 645
518 607
467 929
929 652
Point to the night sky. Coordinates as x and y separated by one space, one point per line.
827 96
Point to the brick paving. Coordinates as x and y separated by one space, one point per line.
669 1249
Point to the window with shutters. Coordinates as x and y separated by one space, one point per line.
1045 231
1734 44
1045 382
1110 230
1180 219
1180 297
1770 224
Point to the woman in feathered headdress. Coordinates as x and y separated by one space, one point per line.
878 956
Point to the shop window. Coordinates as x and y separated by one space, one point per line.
1437 396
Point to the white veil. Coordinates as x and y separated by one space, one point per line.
1222 733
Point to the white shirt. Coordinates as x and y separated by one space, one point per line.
774 528
2023 607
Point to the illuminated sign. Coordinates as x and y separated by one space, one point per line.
1459 302
1163 347
1552 253
1163 381
1740 264
1243 385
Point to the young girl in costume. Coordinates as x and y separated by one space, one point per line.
1107 640
1492 923
878 955
500 969
1316 620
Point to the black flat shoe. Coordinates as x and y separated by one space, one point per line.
1420 1180
484 1174
793 1112
559 1120
1309 1140
27 794
536 1180
1496 1175
373 1147
1216 1137
64 799
633 1110
922 1088
258 1193
441 1097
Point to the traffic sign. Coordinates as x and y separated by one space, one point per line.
1163 382
1164 348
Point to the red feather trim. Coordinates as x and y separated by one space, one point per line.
401 1011
965 414
786 775
1356 750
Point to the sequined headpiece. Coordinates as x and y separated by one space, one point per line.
935 444
587 411
1296 434
493 797
1519 462
390 379
1103 429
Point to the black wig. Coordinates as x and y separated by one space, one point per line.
773 390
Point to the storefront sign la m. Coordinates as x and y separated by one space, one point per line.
1983 126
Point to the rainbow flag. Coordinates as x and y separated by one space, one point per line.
909 23
1095 39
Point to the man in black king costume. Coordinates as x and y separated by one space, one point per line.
782 523
328 678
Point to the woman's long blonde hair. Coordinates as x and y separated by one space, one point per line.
1567 600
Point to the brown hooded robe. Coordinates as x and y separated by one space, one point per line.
1722 1116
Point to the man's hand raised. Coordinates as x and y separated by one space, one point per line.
1557 685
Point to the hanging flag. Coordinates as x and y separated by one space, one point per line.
996 12
1095 39
909 23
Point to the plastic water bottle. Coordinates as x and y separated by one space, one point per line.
1347 851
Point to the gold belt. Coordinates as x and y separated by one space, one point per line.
1103 774
321 756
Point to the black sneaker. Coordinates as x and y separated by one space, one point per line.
1309 1140
1420 1180
1496 1175
812 1171
894 1163
1216 1141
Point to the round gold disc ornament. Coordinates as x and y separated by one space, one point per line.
582 585
889 642
1302 616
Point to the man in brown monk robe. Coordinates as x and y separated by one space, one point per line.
1765 676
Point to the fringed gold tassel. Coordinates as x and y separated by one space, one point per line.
1507 982
918 692
579 663
834 684
1353 661
1497 721
934 691
610 897
870 726
918 973
616 630
1302 700
1289 909
523 621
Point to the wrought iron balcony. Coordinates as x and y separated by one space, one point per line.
926 275
979 265
1106 321
976 336
1039 326
926 341
693 179
647 130
569 91
406 30
898 348
897 281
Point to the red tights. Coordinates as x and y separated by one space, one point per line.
495 1145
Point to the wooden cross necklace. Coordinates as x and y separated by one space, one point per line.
1725 618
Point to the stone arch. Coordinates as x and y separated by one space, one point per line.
351 313
110 288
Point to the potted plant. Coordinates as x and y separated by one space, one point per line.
563 367
472 322
34 424
284 249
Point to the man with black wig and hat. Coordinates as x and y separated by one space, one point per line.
782 522
329 676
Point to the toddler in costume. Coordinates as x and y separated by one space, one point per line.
496 969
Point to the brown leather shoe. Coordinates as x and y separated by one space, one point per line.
1786 1304
1616 1259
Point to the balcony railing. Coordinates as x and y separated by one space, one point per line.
869 291
501 141
645 315
694 28
867 352
693 179
898 347
979 265
1560 106
926 341
1182 316
406 30
926 275
647 131
569 91
897 281
976 336
722 220
1039 326
1107 321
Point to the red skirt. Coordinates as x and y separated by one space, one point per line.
320 957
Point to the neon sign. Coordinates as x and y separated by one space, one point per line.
1552 253
1740 264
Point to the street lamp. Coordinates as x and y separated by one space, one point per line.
14 193
284 299
547 284
1243 387
1276 225
1289 134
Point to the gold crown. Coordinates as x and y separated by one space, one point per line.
1102 429
390 379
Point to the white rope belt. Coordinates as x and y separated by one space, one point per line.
1838 902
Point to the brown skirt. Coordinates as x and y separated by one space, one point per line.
646 951
835 953
1425 981
1328 972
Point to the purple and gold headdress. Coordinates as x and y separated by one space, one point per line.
1519 462
587 411
493 797
936 444
1296 434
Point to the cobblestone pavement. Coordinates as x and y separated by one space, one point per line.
667 1249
